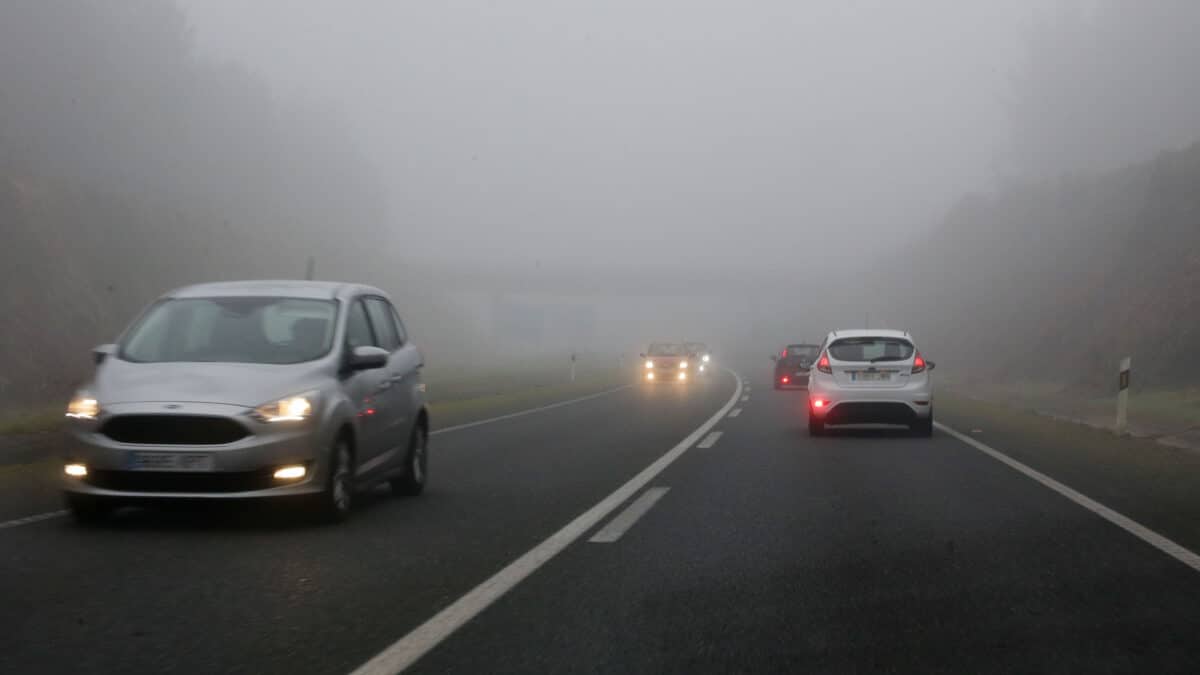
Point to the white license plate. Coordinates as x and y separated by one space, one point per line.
870 377
169 461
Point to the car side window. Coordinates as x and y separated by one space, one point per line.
400 330
381 320
358 328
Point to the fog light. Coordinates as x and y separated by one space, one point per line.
75 470
702 369
290 472
649 376
683 376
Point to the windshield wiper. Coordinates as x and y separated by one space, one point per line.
877 359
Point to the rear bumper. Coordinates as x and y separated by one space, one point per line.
904 405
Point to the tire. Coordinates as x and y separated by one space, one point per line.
87 510
416 466
923 428
816 426
333 504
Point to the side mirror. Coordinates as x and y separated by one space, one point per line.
367 358
930 365
103 352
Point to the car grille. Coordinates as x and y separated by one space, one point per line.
173 430
169 481
870 413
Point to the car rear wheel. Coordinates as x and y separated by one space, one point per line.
923 427
816 426
416 466
334 502
87 510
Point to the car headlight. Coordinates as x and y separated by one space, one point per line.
682 365
289 409
83 407
649 364
705 358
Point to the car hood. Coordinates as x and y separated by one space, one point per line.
244 384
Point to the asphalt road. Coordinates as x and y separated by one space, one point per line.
766 551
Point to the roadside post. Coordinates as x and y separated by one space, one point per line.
572 366
1123 397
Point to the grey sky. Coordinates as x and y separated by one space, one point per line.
638 131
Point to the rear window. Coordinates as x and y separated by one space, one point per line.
871 349
802 351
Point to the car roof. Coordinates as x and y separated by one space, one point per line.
803 344
322 290
870 332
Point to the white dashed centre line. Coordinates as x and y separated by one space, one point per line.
735 412
710 440
627 518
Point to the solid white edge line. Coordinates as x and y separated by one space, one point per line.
710 440
522 413
1131 526
405 651
626 519
29 520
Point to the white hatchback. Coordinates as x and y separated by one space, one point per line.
870 377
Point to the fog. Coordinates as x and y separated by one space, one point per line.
539 176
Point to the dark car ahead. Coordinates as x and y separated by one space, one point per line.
793 363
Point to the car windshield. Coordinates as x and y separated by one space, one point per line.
665 349
871 349
696 347
232 330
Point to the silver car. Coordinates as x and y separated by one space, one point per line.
255 389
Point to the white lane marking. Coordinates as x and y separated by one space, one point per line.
405 651
745 398
1133 527
629 517
55 514
710 440
735 412
531 411
28 520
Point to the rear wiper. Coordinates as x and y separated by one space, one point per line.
877 359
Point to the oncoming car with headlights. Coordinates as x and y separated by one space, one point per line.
258 389
667 362
699 355
870 377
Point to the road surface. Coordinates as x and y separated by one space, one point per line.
645 530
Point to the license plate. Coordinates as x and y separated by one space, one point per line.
869 377
169 461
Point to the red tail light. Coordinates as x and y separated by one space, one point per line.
918 364
818 403
823 364
783 354
784 379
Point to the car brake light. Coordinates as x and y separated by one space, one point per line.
818 403
918 364
823 364
784 379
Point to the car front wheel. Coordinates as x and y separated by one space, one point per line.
334 502
416 466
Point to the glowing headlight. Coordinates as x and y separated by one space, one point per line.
705 358
649 364
702 369
290 409
683 365
83 407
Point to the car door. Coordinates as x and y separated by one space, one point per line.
367 389
400 369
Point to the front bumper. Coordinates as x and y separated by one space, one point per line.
241 469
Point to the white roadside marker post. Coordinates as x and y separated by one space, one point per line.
572 366
1123 397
